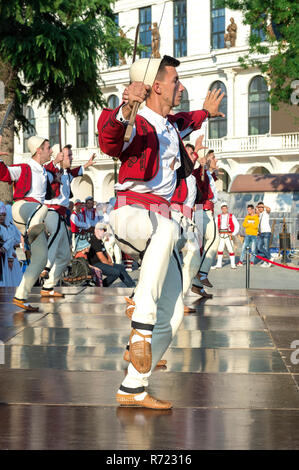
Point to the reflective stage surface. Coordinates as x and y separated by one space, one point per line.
232 374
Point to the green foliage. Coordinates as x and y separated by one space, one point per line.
278 20
55 47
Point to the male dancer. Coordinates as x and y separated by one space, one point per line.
153 162
59 253
205 179
80 224
228 227
29 211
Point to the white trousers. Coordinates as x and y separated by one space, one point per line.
225 241
26 215
189 245
158 296
59 251
211 241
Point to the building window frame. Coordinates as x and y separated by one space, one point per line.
218 125
217 18
29 114
258 120
180 28
145 35
113 101
54 128
82 132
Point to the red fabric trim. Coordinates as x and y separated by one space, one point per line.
60 209
185 210
148 201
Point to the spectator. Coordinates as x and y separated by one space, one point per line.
264 233
15 274
80 224
90 211
82 250
251 223
7 250
99 257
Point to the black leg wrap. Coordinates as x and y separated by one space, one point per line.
142 326
132 390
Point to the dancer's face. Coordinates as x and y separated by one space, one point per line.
170 87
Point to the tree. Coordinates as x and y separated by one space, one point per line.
50 51
274 32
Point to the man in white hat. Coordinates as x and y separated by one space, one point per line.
228 227
59 253
153 163
31 182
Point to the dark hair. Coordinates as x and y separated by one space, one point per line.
68 146
191 146
210 151
259 203
250 205
167 61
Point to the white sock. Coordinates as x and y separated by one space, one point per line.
138 397
143 332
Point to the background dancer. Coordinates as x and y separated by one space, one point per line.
228 227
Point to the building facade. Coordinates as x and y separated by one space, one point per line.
252 138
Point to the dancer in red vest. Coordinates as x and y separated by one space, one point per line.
228 227
152 164
90 211
206 179
31 182
59 253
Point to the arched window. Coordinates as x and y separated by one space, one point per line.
259 170
29 114
224 178
82 132
184 104
54 128
113 101
218 125
258 107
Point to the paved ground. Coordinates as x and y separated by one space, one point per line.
232 374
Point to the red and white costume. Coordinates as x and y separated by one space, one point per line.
228 226
153 163
204 219
59 252
79 226
91 215
31 182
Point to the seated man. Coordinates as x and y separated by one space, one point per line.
99 257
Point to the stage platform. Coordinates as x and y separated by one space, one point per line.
232 374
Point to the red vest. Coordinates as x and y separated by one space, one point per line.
93 211
140 161
23 185
205 189
56 185
74 228
231 226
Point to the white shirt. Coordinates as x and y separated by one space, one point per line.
164 183
192 191
264 225
213 187
224 219
65 189
78 220
38 179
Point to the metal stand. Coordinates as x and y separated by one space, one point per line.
247 268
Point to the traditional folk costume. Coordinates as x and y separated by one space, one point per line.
205 221
31 182
154 162
59 252
80 223
228 227
91 214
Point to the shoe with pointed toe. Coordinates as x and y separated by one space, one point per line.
147 402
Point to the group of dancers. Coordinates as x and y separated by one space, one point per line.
153 220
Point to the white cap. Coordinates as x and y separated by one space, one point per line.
224 204
34 143
88 198
137 70
56 150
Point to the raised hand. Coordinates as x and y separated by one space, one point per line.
198 144
90 161
213 101
137 93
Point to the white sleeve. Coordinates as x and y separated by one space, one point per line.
15 172
80 223
236 225
119 117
